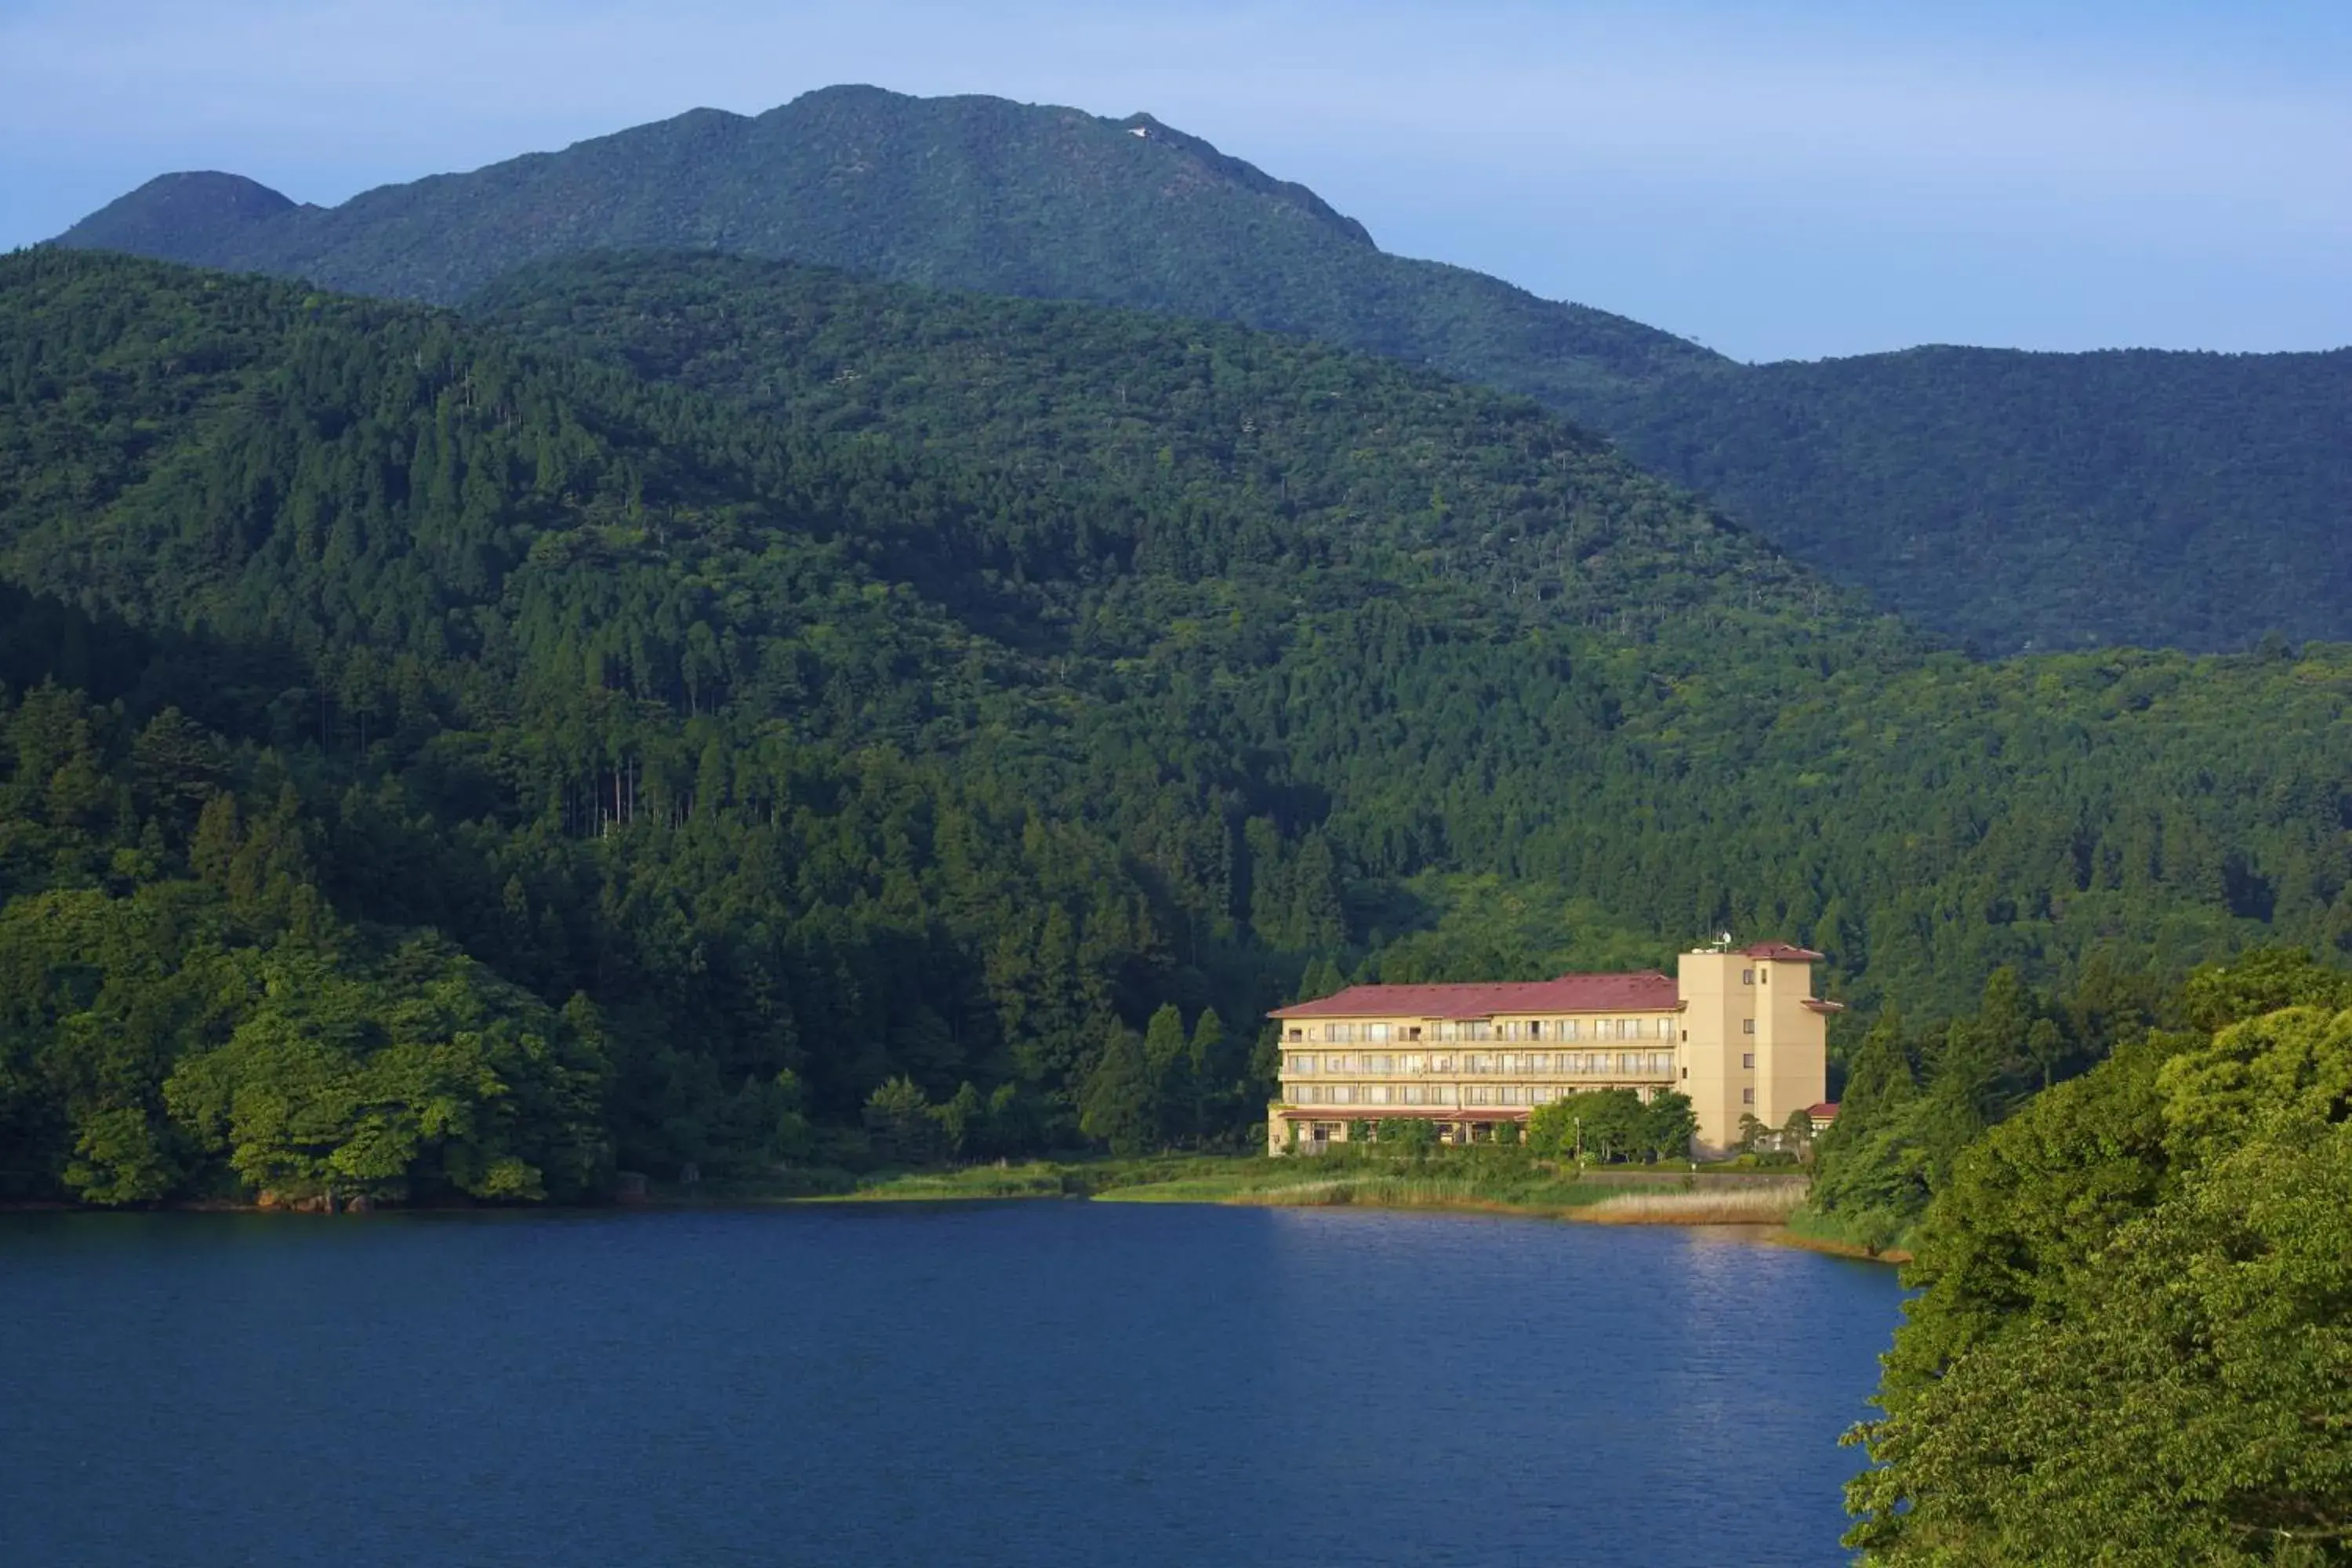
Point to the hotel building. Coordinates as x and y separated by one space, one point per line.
1739 1030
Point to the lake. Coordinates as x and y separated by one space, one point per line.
1036 1382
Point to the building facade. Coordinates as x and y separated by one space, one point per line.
1739 1030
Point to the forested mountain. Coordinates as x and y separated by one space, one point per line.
2016 501
2036 500
517 767
970 192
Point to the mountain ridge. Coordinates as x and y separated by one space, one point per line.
2007 500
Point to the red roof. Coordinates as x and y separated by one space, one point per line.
1782 950
1644 990
1825 1112
1819 1005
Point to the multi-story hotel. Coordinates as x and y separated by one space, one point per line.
1739 1031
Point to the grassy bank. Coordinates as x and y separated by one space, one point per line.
1759 1204
1285 1186
1817 1233
1485 1181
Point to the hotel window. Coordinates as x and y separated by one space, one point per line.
1747 1060
1416 1064
1382 1064
1413 1031
1747 1026
1567 1031
1446 1031
1295 1034
1484 1029
1764 977
1440 1064
1748 977
1662 1061
1747 1097
1380 1034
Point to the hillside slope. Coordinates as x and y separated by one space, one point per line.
2037 499
972 192
2014 500
528 768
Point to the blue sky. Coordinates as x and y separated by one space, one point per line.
1798 180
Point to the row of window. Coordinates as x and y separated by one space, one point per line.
1429 1094
1475 1030
1300 1064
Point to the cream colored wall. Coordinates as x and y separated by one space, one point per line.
1792 1061
1791 1047
1660 1034
1714 1003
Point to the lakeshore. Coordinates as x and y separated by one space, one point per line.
1767 1202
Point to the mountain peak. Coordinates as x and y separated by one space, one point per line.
1060 134
969 192
190 217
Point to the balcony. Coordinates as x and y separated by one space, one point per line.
1499 1067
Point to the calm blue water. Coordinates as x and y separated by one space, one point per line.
1036 1382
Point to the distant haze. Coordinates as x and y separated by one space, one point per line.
2055 176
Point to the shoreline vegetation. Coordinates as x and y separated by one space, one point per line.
1767 1200
1769 1203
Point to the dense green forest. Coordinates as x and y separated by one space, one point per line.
2129 1341
438 763
2039 500
2010 500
